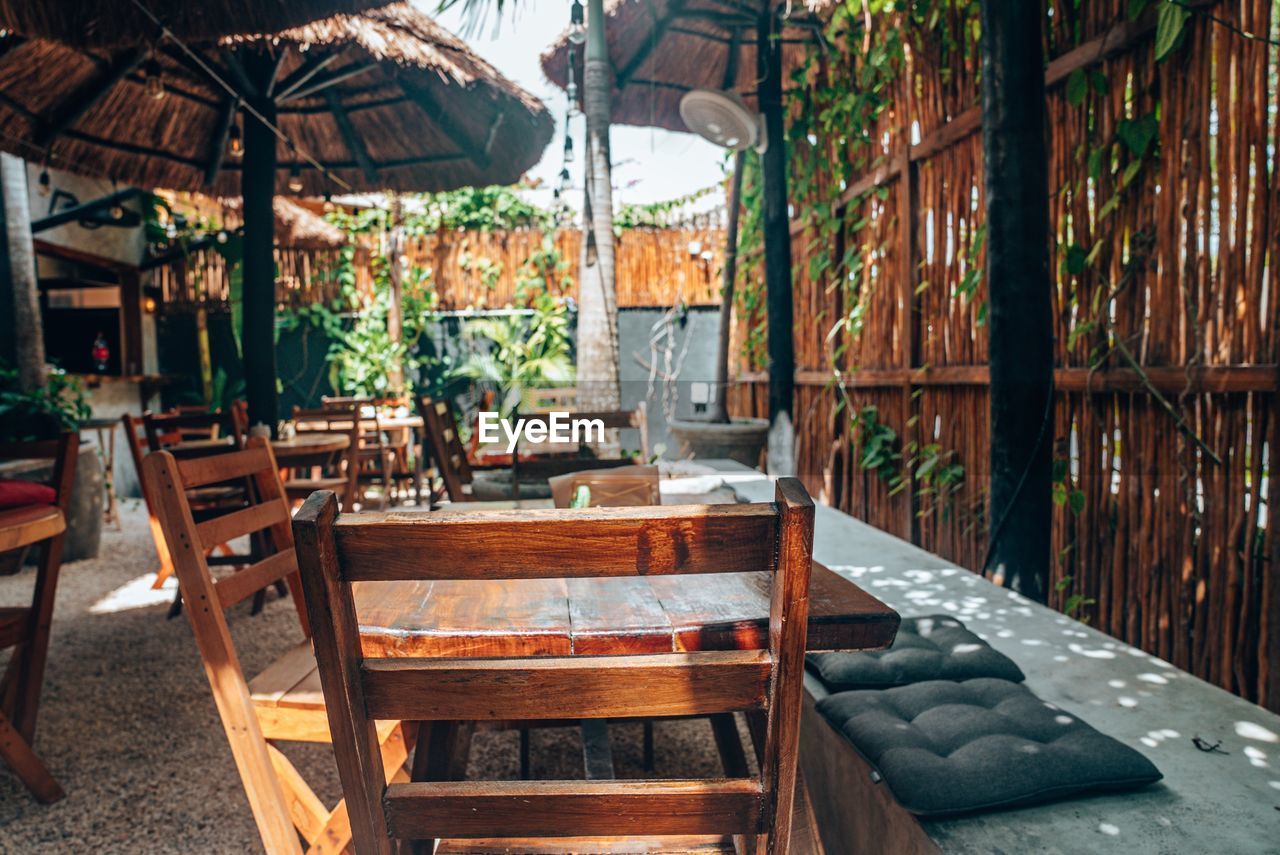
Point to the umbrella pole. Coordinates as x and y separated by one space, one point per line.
1019 296
257 187
777 249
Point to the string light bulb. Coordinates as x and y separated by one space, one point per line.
153 82
43 184
568 149
577 23
295 179
221 236
235 142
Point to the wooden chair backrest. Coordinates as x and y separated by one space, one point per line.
345 420
168 479
619 487
62 451
442 444
336 551
175 426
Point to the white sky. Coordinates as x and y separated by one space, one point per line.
649 164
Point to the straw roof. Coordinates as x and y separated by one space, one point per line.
662 49
385 100
94 23
301 229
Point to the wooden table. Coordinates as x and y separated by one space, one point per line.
590 617
306 449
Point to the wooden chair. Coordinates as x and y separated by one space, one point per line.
335 552
26 628
375 456
444 448
205 502
622 487
187 424
284 702
342 474
636 420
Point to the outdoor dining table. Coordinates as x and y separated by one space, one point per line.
308 449
602 616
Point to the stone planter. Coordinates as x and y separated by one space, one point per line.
742 440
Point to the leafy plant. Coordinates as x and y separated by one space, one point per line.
59 406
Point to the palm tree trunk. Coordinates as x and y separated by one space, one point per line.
597 296
720 409
19 297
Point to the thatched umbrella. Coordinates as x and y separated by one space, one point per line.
298 227
385 100
662 49
94 23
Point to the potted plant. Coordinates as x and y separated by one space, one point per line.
719 436
42 413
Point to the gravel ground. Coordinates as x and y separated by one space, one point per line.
128 726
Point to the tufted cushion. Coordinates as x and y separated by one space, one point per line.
948 748
15 493
937 647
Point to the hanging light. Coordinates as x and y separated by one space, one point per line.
564 178
117 212
43 185
295 179
568 149
577 23
235 143
328 201
152 80
221 236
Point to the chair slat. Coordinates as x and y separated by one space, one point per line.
216 468
572 808
245 583
674 684
239 523
558 543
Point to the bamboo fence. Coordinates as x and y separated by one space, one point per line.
656 267
1155 542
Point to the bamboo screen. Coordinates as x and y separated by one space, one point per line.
656 267
1166 303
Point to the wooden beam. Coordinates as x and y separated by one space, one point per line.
1166 379
659 29
304 73
573 808
71 110
239 77
218 143
315 87
354 144
429 104
675 684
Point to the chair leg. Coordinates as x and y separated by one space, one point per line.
17 754
36 643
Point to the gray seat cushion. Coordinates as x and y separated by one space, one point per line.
946 748
937 647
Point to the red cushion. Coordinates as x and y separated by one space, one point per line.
15 493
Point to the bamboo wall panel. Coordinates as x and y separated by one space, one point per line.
1163 536
476 270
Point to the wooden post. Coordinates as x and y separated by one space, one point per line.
257 187
777 249
1020 328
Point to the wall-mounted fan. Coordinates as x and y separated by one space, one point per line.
722 118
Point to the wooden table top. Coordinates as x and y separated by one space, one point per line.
305 444
559 617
